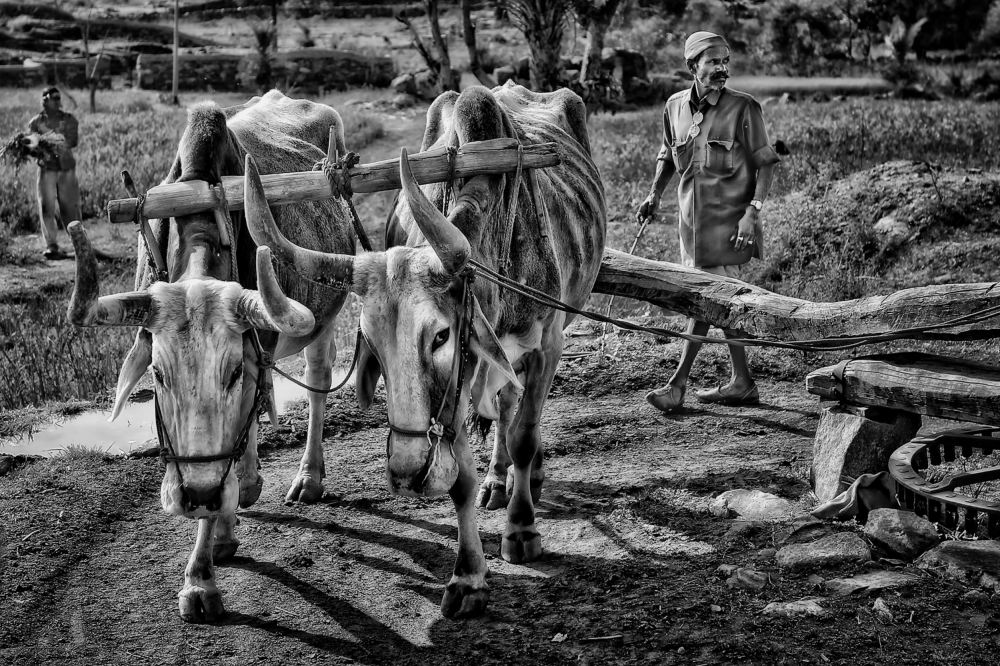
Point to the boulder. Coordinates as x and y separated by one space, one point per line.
800 608
404 84
404 100
869 583
807 531
751 505
969 562
747 579
834 550
901 533
855 441
892 231
504 74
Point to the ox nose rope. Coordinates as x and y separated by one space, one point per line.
442 429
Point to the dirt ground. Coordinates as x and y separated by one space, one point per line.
91 566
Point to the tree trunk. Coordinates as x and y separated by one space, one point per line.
597 26
446 79
469 32
432 62
542 23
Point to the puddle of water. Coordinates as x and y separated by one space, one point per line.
133 429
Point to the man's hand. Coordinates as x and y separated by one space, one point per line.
648 207
746 232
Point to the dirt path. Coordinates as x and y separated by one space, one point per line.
93 566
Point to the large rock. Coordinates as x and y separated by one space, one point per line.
869 583
404 84
969 562
833 550
751 505
901 533
747 579
853 442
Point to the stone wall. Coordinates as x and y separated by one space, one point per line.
47 72
307 69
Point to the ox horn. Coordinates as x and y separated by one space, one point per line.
268 308
85 307
450 245
330 269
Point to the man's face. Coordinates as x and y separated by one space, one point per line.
52 101
712 67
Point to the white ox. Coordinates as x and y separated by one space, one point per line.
197 327
413 314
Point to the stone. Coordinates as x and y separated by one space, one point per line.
901 533
767 554
892 231
852 444
404 84
829 551
747 579
809 606
881 610
808 532
869 583
726 569
404 100
751 505
504 74
970 562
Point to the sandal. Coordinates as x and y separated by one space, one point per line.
715 396
668 399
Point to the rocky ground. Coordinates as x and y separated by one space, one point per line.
641 564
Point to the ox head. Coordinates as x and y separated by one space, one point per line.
205 375
411 317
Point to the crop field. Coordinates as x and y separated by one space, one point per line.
807 254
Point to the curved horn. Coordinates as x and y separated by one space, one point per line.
85 308
335 270
268 308
450 245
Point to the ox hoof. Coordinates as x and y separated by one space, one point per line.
524 546
200 605
250 491
223 552
305 489
492 494
464 598
534 483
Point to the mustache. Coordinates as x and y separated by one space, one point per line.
719 76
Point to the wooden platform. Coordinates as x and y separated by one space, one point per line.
926 384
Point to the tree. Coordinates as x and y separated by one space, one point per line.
469 33
91 73
440 63
542 22
594 16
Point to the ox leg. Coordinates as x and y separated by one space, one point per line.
467 593
308 484
251 482
493 492
225 544
521 540
200 599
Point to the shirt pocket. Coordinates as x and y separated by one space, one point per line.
720 154
682 153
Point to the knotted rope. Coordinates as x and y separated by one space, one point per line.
340 183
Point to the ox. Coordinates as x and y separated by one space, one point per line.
422 318
200 329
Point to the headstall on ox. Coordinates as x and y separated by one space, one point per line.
440 428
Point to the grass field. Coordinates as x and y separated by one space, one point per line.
828 142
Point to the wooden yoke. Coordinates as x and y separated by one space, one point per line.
477 158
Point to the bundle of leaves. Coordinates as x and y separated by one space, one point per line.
42 148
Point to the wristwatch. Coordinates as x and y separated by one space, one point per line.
757 203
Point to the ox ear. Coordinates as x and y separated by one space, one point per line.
485 345
134 367
369 370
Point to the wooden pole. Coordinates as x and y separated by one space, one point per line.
476 158
177 42
758 313
927 384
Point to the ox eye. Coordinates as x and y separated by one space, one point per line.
157 375
440 339
235 377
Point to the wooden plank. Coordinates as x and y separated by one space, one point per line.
925 384
758 313
477 158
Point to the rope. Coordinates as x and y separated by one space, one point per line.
313 389
813 345
511 213
340 182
